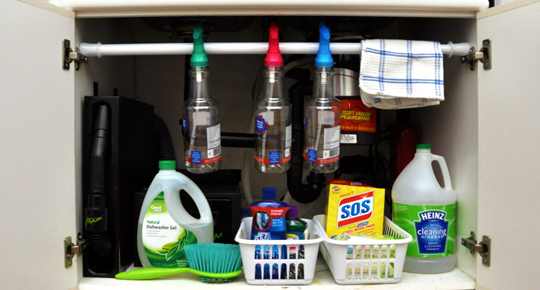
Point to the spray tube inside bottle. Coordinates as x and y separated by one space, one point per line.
273 122
200 123
322 119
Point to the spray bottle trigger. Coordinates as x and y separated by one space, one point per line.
273 57
198 58
324 56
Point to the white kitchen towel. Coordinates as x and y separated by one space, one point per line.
398 74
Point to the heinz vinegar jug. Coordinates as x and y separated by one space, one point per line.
427 211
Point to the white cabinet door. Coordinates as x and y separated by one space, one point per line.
37 151
509 147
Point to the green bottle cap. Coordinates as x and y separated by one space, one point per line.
198 58
423 146
167 164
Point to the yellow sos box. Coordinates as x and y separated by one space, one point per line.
354 208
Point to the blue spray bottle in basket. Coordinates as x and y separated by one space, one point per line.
269 217
427 211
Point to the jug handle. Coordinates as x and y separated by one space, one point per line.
444 170
201 203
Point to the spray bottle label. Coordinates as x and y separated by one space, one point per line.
330 153
261 124
210 151
163 238
271 154
433 228
329 137
185 124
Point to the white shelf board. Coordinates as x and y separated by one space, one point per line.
455 279
409 8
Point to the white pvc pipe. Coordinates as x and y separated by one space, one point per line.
99 50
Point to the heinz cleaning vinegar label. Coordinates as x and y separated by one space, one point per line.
163 239
433 228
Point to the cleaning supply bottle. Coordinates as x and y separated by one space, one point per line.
296 228
322 119
427 211
165 227
268 217
200 123
273 120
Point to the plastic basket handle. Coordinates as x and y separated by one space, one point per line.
444 170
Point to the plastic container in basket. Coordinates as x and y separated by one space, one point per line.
380 261
278 262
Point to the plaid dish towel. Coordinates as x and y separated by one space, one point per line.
399 74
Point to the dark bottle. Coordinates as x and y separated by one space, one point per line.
403 142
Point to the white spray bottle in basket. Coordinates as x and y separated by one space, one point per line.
165 227
427 211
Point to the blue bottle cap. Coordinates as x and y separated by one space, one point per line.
269 193
324 56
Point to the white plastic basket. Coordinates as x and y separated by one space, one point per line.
380 261
278 262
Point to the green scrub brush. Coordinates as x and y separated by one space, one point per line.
215 263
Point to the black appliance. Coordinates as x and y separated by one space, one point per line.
118 160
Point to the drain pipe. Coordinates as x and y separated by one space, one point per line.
302 193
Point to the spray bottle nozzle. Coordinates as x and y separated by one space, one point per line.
324 56
273 57
198 58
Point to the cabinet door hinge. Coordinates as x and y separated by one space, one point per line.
483 55
69 55
70 249
483 248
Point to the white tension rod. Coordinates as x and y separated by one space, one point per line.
99 50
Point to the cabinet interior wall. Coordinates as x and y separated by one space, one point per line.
451 128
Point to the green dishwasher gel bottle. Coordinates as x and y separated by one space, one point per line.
427 211
165 227
296 228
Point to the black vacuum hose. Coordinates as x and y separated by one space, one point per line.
96 212
303 193
166 148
